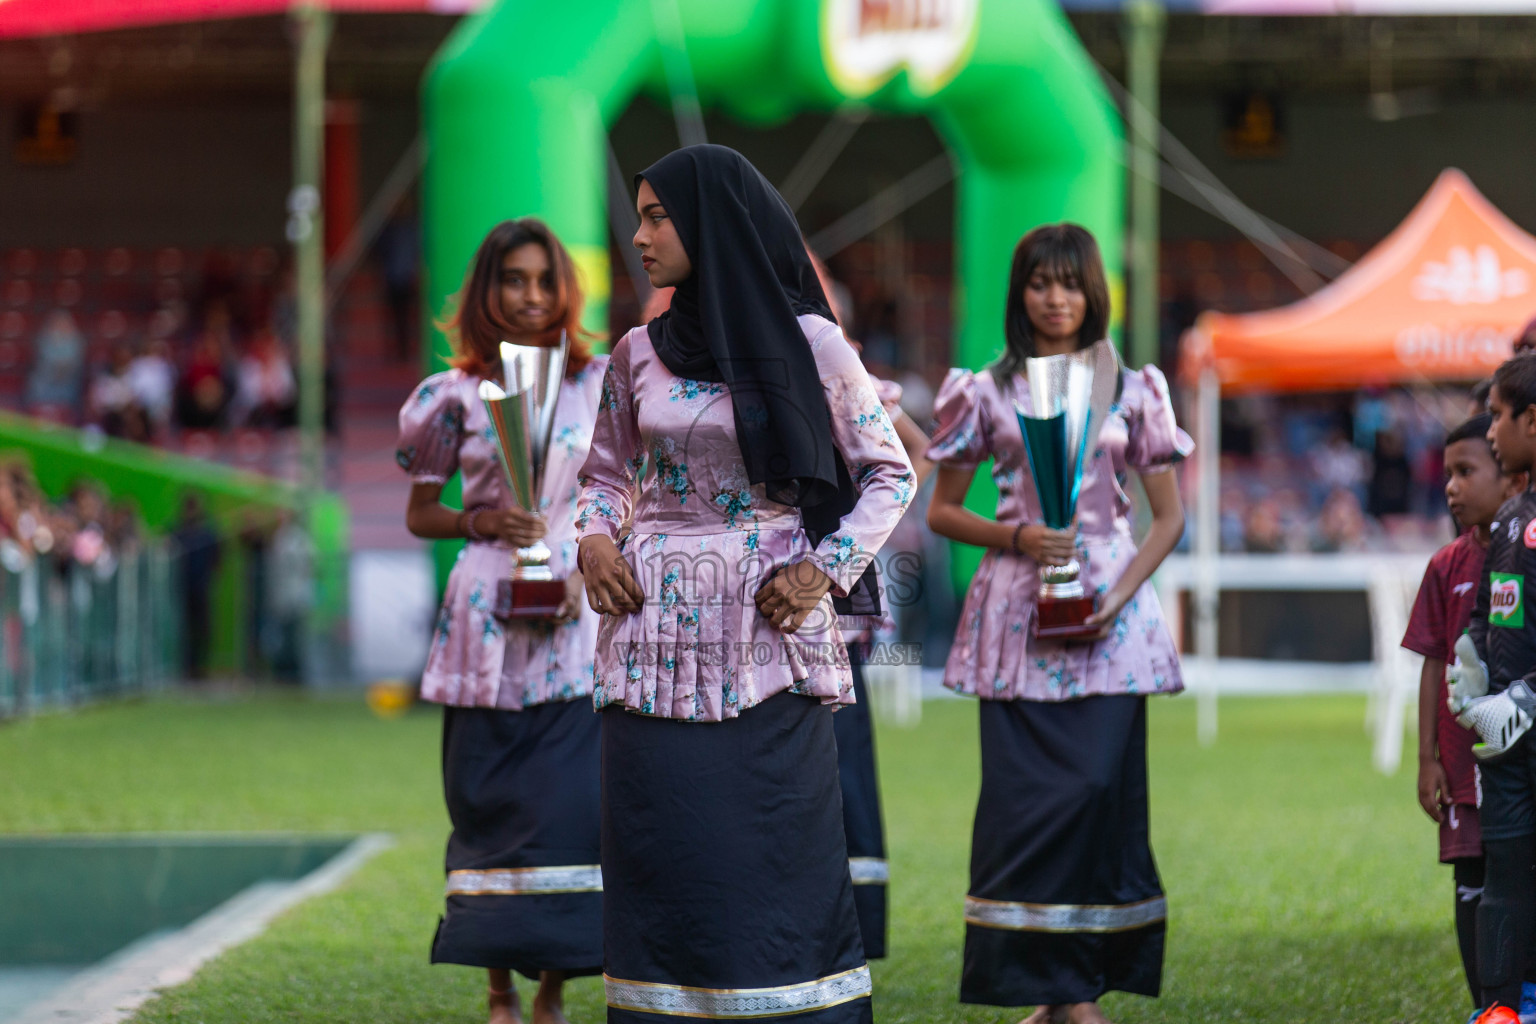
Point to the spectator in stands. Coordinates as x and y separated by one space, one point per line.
266 393
1336 465
204 392
1372 414
290 596
1342 525
1179 314
1234 519
123 527
30 525
112 405
1477 403
258 286
398 251
10 506
152 379
198 549
1391 488
1264 531
255 539
57 381
1525 341
18 515
882 345
87 515
61 527
220 288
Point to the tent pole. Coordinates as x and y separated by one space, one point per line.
1207 546
1143 31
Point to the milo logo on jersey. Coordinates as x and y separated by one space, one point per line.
1505 607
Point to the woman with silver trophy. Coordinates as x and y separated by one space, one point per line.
511 655
1062 638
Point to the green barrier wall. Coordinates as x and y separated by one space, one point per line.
518 101
155 482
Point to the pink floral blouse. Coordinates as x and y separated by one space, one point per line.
701 539
995 655
475 660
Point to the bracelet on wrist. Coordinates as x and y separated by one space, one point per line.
467 518
1016 531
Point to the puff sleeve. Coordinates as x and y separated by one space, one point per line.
889 393
431 429
960 437
609 475
1155 443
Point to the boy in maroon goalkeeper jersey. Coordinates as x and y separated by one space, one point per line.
1448 783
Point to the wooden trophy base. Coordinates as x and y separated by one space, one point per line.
529 599
1062 618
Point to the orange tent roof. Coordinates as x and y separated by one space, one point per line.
1440 298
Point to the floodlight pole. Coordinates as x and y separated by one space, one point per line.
1142 28
312 35
311 24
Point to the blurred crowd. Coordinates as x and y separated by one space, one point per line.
1361 471
86 533
197 372
273 597
209 351
84 530
1355 471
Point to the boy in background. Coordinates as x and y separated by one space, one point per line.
1504 664
1475 489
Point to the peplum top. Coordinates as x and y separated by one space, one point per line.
475 660
665 480
995 655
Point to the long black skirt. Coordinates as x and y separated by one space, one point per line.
861 811
1065 902
727 890
525 891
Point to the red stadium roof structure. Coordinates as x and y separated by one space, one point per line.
20 18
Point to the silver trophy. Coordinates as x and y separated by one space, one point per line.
1070 397
523 416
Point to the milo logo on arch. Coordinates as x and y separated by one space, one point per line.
1505 607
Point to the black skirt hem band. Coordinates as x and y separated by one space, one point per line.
1064 917
869 870
738 1003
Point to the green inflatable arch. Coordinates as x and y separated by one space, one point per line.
519 100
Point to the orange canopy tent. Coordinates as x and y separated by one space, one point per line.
1439 299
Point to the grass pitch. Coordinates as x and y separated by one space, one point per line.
1302 885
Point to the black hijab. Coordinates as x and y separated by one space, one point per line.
733 320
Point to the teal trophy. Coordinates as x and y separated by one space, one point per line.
1070 397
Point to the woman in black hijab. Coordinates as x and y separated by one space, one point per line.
771 477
